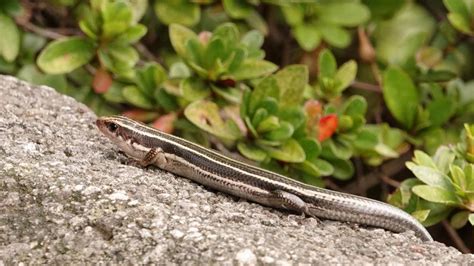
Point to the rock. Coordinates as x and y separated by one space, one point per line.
68 197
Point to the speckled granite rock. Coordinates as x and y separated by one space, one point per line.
67 196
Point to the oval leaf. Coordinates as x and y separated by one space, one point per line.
65 55
205 115
290 151
10 41
401 96
179 35
436 194
430 176
252 68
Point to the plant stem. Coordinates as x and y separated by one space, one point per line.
49 34
366 86
455 237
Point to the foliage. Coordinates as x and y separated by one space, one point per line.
312 90
444 184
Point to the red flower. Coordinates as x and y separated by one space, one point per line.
327 126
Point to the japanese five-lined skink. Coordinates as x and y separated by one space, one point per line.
152 147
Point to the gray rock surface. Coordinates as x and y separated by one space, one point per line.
68 196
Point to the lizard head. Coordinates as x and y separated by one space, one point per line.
124 133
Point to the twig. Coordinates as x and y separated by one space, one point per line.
145 52
366 86
392 182
47 33
360 176
455 237
390 168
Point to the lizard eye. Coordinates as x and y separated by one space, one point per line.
112 127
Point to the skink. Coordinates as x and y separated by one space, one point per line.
152 147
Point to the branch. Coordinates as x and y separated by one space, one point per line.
47 33
366 86
390 168
455 237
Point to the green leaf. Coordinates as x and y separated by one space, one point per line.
252 39
150 77
343 169
237 9
139 8
421 215
294 14
327 64
114 93
292 81
179 35
345 14
295 115
177 11
31 74
457 6
424 159
290 151
265 89
318 168
430 176
65 55
228 32
469 174
205 115
337 148
132 34
441 110
30 45
355 105
438 211
366 140
268 124
179 70
312 148
285 131
335 35
259 115
89 24
117 17
253 68
215 51
460 23
459 220
457 175
119 58
236 59
345 75
307 36
136 97
443 158
166 100
251 151
194 89
401 96
10 41
436 194
394 43
10 7
471 218
232 95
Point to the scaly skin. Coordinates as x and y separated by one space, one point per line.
204 166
